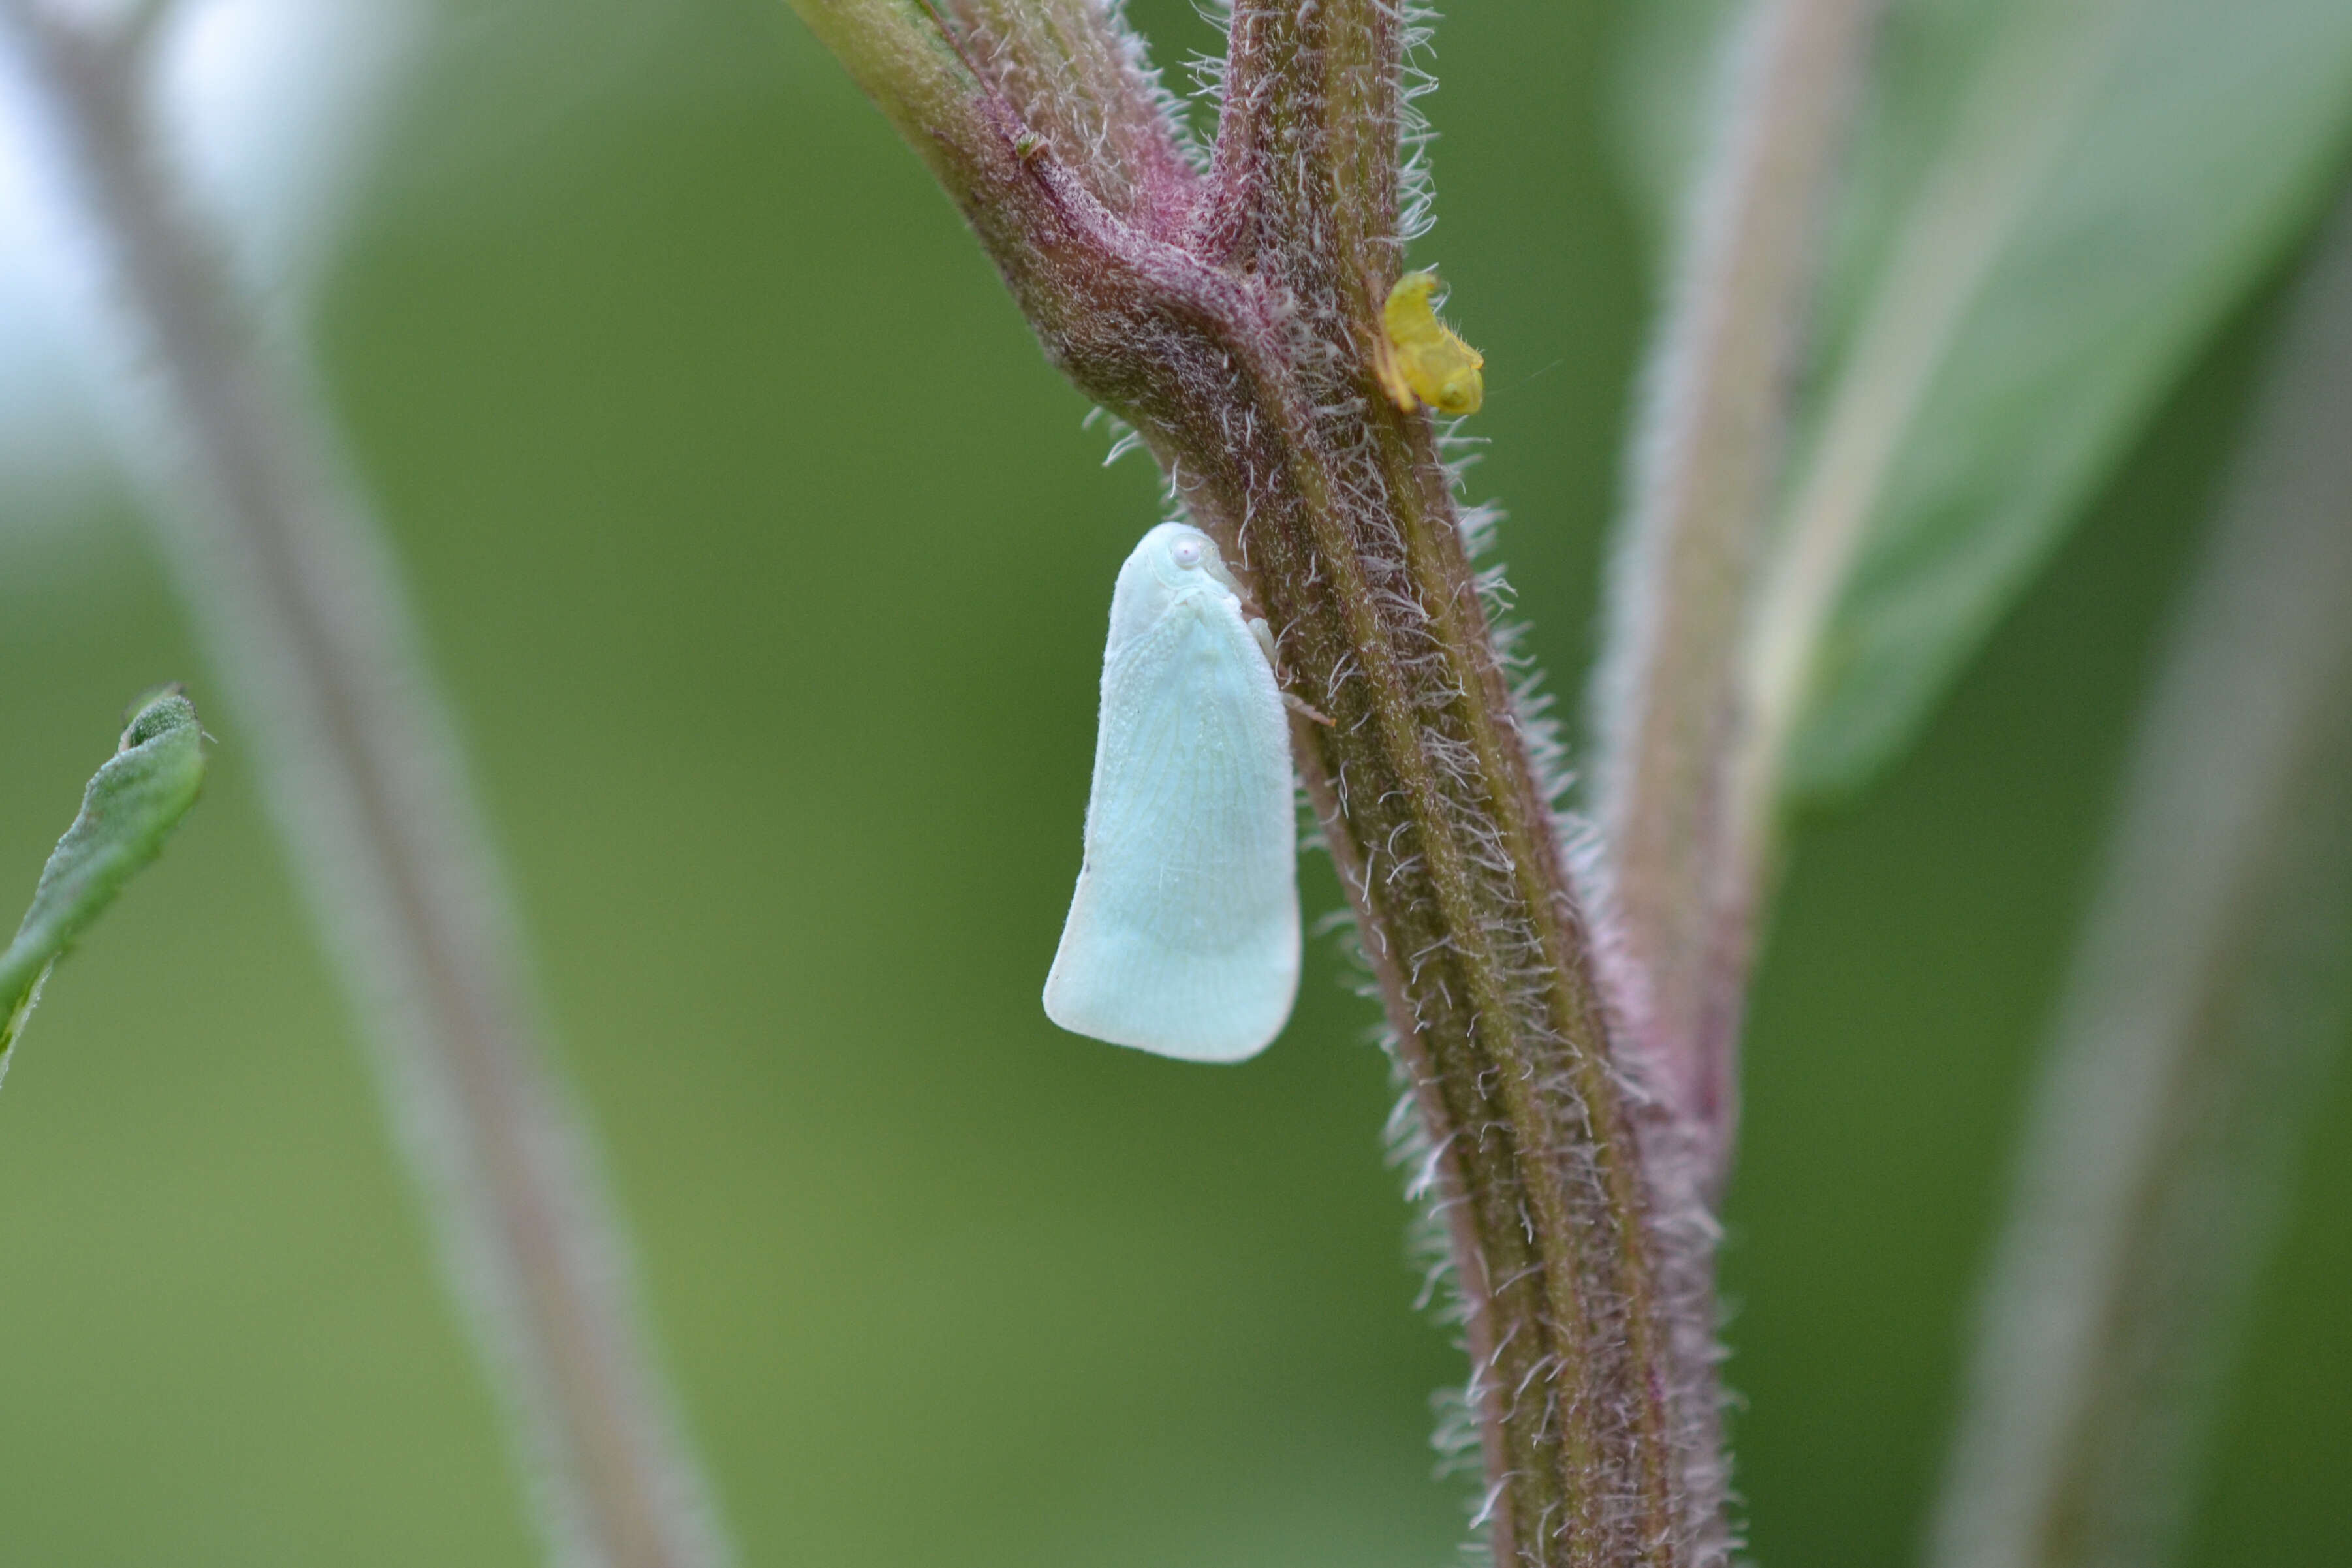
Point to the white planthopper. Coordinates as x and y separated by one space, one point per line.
1183 936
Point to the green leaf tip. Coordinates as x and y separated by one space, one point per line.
131 807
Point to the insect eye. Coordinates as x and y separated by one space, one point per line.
1187 553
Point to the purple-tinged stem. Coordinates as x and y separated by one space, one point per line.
1682 857
1230 317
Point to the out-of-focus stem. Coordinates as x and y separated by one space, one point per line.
1682 879
2215 969
296 595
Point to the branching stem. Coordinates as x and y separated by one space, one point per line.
1231 316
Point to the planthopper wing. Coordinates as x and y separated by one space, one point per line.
1183 935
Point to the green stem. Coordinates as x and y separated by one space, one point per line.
2214 976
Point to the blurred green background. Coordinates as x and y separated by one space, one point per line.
767 562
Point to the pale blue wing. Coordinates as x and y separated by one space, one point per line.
1183 933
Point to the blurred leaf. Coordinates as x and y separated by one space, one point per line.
129 808
2056 204
2052 206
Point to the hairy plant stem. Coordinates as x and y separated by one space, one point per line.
1230 317
1683 873
296 595
2213 978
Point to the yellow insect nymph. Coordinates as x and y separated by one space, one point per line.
1421 360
